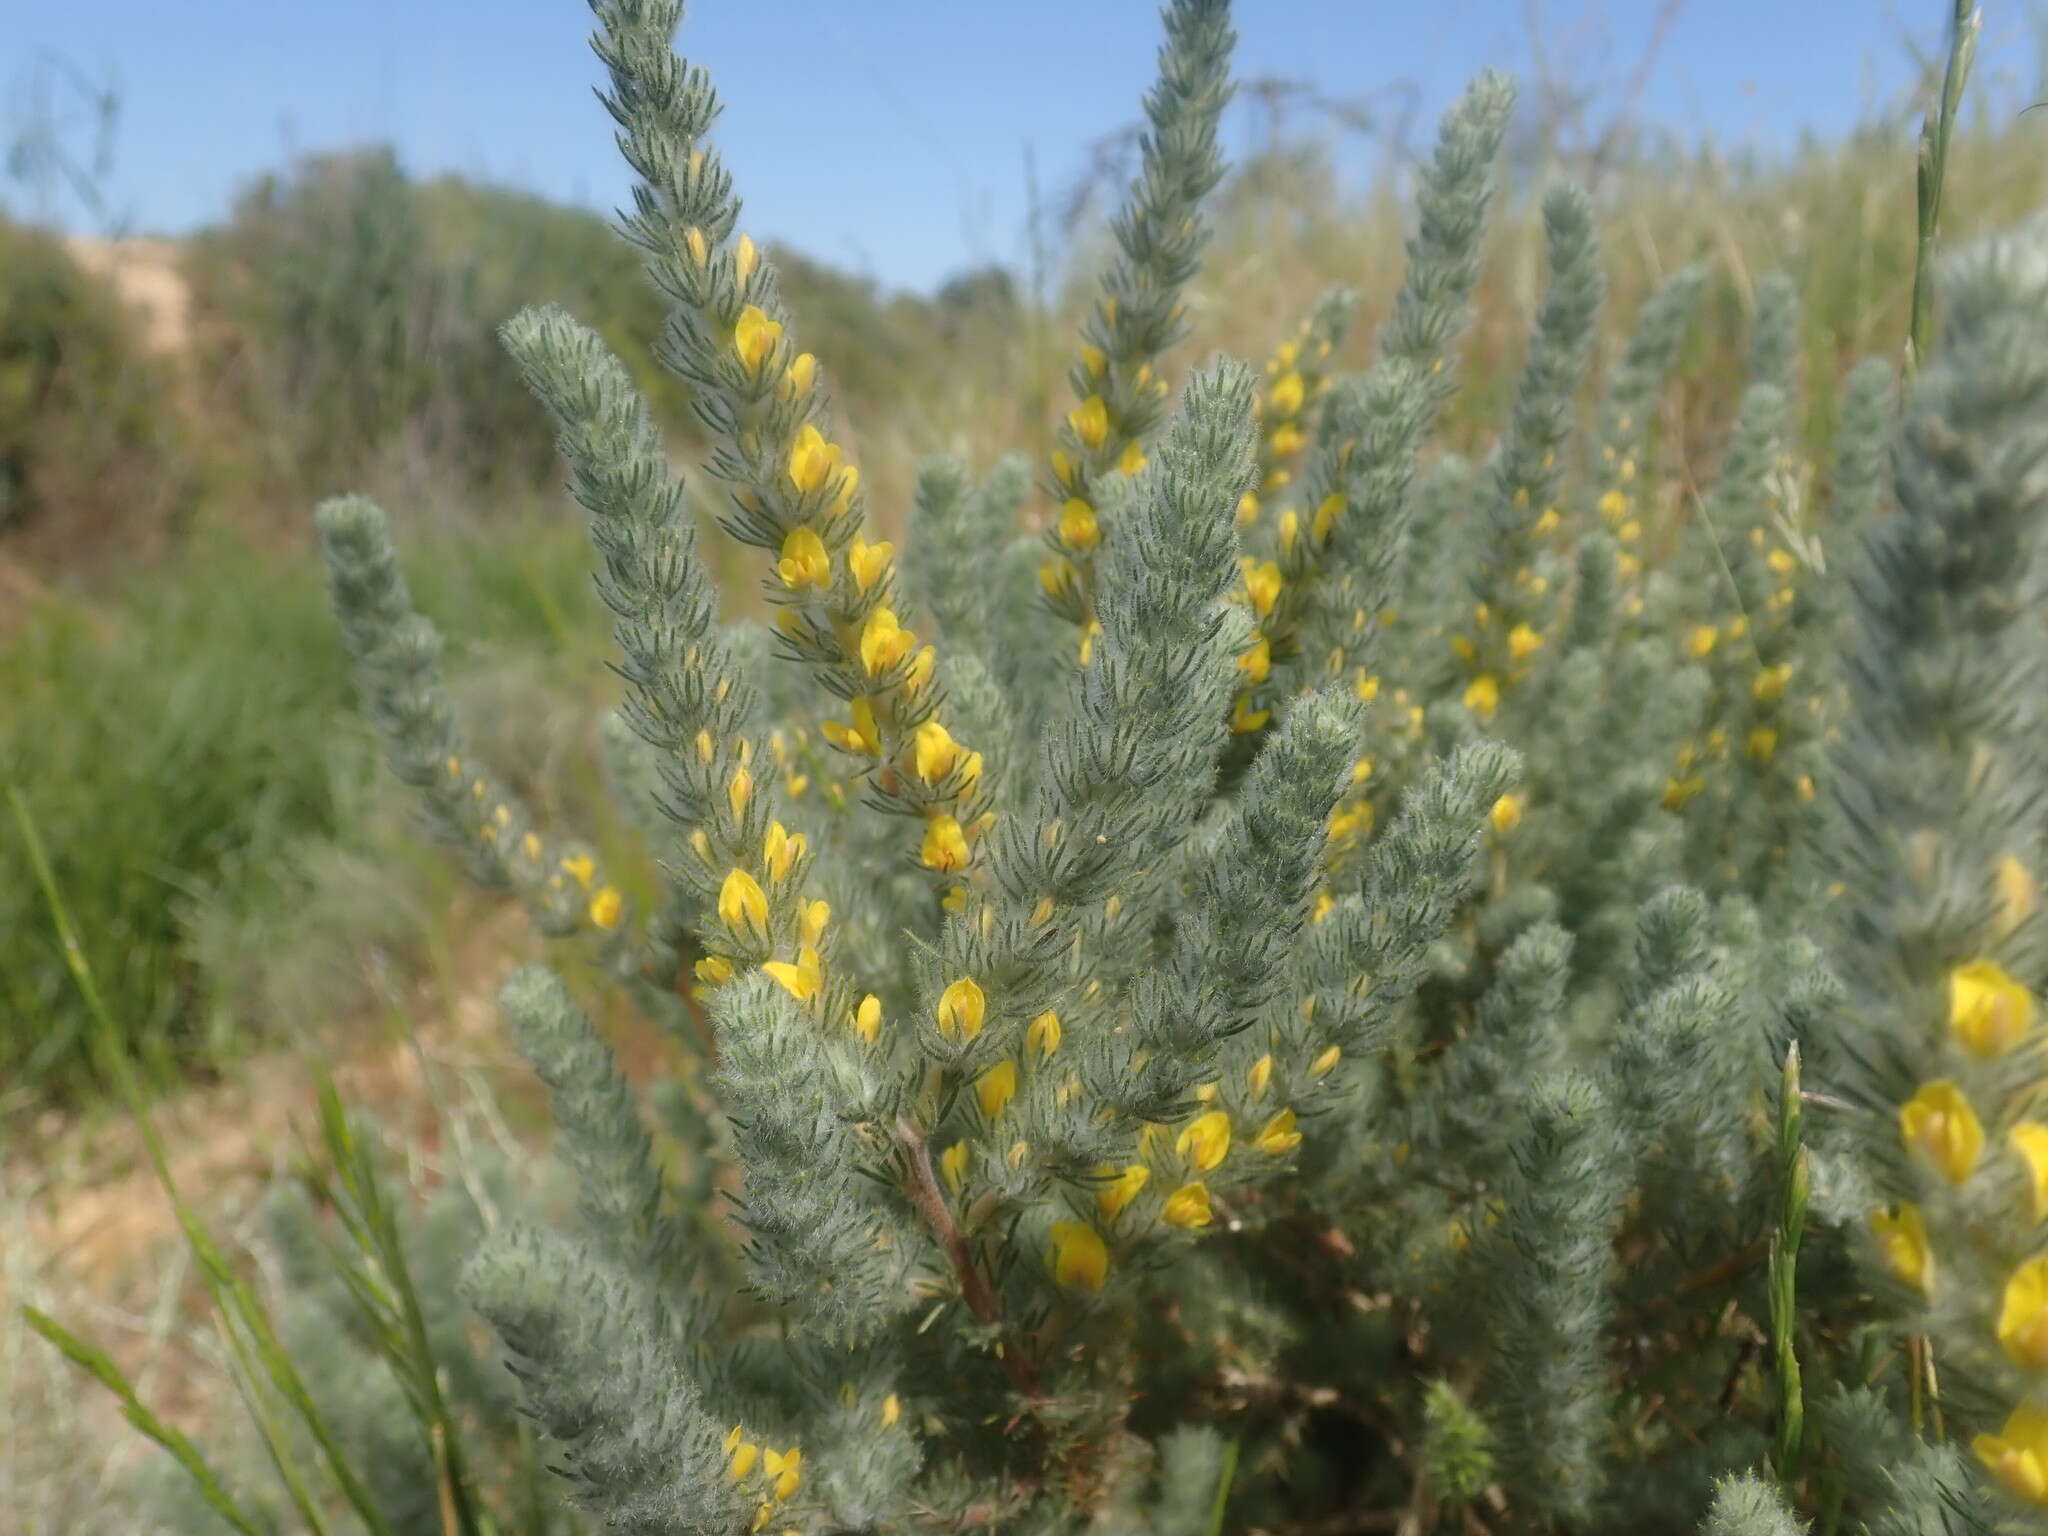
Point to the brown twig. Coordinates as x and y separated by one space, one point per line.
930 1203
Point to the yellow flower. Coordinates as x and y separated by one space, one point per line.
868 562
892 1410
1988 1011
1244 719
935 751
1257 663
1262 581
1078 528
2018 1454
1205 1140
1325 1064
1247 510
699 248
1278 1135
1132 459
1523 642
1328 510
2018 893
1700 641
1260 1075
812 920
1093 360
1090 421
1079 1260
1286 395
1506 815
812 460
1116 1196
1782 561
742 904
1939 1125
961 1009
1187 1206
755 336
1546 525
713 970
802 979
994 1089
785 1469
1769 686
2023 1316
780 851
581 868
740 790
862 736
804 560
867 1019
1043 1034
1286 441
800 375
1902 1240
945 845
953 1165
1482 695
745 257
745 1456
1325 904
1367 687
1678 791
2029 1140
884 642
607 907
1056 578
1613 506
1762 745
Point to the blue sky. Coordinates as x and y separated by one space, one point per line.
888 136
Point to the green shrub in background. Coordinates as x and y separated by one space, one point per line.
184 808
1279 1000
92 450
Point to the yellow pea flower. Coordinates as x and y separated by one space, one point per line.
1938 1124
1262 581
1247 510
1278 1135
1328 510
935 752
962 1007
804 560
1244 719
1700 641
1325 1064
1902 1240
607 907
1523 642
713 970
1988 1011
2018 1454
1762 745
1769 686
745 257
1613 506
892 1410
812 460
786 1469
2029 1142
884 642
868 562
745 1457
1286 441
1205 1140
994 1089
742 904
1260 1075
1132 459
1506 815
581 868
1547 524
1043 1034
1286 395
2023 1316
945 845
863 736
1187 1206
816 914
1080 1261
2019 894
780 851
740 790
1257 663
1482 695
801 979
867 1019
1115 1197
755 336
1090 421
800 375
953 1165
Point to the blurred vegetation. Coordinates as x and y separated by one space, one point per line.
88 454
207 819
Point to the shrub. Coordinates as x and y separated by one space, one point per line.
1276 1001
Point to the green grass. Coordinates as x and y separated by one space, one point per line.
188 747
